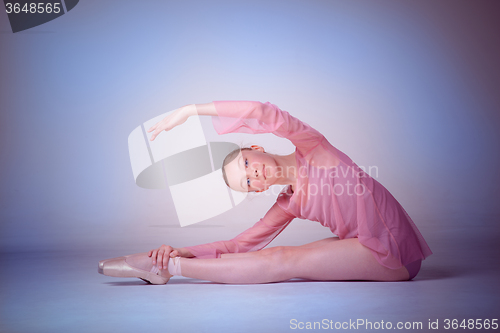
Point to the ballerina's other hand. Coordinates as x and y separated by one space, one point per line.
174 119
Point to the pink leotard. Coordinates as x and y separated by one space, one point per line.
331 189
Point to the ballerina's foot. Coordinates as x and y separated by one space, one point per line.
101 264
135 265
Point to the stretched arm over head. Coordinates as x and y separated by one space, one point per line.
245 117
180 115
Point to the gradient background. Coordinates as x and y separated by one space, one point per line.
411 87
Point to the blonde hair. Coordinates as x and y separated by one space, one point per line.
229 157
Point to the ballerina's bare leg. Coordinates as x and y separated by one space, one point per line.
327 260
277 248
144 262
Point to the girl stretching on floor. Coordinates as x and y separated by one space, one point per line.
376 239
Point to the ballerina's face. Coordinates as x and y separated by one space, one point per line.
251 170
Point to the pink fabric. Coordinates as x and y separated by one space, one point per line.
252 239
331 189
413 268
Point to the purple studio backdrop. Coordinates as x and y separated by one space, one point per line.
411 87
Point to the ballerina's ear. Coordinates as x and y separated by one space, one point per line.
256 147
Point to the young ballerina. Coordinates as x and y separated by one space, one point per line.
375 239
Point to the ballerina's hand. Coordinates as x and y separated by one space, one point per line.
164 252
174 119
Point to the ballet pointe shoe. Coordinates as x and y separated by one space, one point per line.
118 267
101 264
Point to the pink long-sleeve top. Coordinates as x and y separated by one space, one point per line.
331 189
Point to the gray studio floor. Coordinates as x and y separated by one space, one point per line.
61 291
